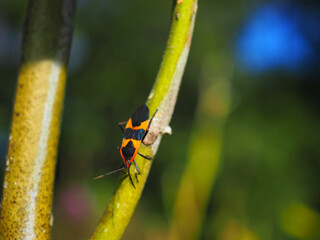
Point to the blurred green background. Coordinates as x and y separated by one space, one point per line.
245 129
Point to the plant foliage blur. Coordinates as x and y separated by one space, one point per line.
266 52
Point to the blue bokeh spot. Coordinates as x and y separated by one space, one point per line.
272 39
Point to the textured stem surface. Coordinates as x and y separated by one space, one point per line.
29 175
162 97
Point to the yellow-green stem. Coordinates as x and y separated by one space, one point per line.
29 175
162 97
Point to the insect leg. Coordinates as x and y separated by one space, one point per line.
136 166
120 125
137 170
130 178
146 157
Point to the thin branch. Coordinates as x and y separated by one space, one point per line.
162 97
31 160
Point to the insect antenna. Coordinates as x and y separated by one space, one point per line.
119 169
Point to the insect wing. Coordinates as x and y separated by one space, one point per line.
140 115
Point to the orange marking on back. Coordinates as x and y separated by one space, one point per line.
143 125
129 124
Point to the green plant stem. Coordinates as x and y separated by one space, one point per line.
162 97
29 175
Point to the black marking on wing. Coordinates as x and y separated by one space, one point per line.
128 151
128 133
140 115
138 134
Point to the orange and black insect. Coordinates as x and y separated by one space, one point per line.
137 128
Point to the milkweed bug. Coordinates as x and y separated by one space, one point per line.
137 128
